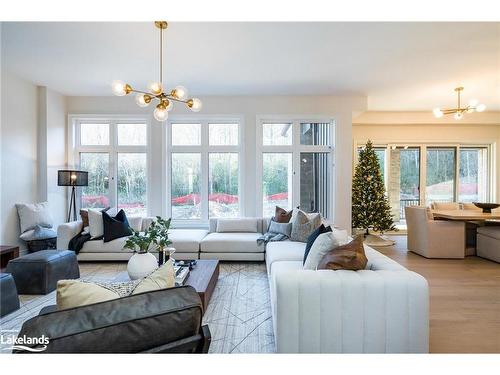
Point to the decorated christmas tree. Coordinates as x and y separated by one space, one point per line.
370 205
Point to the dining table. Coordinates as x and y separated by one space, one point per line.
472 218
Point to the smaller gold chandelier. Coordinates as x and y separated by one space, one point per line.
458 112
156 93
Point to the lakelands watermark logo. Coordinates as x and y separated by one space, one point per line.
9 341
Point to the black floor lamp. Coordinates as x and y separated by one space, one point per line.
72 178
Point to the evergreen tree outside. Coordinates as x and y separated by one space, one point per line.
370 205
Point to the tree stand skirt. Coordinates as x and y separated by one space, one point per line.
374 240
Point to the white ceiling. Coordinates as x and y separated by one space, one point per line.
399 66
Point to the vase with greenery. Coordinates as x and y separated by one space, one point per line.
142 263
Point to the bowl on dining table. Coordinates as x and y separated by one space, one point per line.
486 207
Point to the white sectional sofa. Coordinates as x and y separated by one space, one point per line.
185 241
382 309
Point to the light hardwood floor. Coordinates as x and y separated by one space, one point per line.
464 300
464 303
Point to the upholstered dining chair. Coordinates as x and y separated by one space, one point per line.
445 205
434 238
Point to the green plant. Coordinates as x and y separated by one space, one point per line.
156 233
138 242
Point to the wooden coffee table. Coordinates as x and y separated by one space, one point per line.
203 278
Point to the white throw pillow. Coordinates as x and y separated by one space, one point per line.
322 245
96 226
73 293
237 225
33 214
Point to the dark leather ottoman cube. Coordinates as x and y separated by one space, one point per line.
38 273
9 300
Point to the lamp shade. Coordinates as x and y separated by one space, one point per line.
72 178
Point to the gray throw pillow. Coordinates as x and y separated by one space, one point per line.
303 225
33 214
281 228
39 233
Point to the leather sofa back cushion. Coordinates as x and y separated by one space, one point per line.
74 293
350 256
237 225
282 216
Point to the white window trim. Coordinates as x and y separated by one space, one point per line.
488 144
295 149
204 149
75 148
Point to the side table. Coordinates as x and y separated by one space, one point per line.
7 253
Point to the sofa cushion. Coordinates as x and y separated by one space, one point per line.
280 228
350 256
312 237
232 243
282 216
33 214
323 244
73 293
99 246
303 225
135 223
115 227
186 240
237 225
283 251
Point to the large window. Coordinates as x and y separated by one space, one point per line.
295 166
203 160
114 152
452 173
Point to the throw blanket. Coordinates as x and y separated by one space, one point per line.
271 236
77 242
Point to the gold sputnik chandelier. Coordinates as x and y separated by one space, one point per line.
156 93
458 113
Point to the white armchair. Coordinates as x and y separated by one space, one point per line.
434 238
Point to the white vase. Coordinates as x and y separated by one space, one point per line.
141 264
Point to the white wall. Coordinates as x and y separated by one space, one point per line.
422 127
249 107
19 152
52 150
32 149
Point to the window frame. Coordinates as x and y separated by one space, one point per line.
296 148
113 149
489 146
204 149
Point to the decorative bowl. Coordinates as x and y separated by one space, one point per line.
487 207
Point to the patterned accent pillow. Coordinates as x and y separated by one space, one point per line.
73 293
303 225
